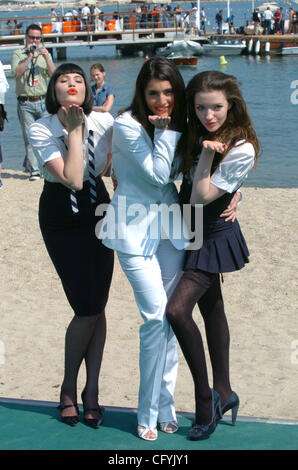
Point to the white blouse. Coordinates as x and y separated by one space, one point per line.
234 168
49 140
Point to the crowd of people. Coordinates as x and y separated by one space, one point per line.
73 141
274 22
91 17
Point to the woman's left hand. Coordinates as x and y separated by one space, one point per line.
230 212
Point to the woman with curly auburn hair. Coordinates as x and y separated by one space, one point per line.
221 133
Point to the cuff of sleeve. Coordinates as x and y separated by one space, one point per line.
241 197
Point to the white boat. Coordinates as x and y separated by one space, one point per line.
180 48
7 70
218 47
291 50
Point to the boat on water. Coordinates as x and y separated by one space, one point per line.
180 48
290 50
218 47
186 61
7 70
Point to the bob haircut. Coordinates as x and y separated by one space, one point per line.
159 68
52 104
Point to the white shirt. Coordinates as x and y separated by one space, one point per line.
85 12
234 168
268 15
3 84
49 140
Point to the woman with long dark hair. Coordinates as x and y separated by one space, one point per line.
221 133
145 163
72 145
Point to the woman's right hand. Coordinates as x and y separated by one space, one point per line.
213 146
160 122
73 116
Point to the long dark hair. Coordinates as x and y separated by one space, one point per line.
162 69
52 104
237 127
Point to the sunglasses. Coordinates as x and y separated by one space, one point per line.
34 38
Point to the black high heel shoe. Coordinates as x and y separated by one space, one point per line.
70 420
232 404
94 423
199 432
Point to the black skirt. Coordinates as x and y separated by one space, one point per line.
224 248
83 263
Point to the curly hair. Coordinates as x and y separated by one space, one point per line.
237 127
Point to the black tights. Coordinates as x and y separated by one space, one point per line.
204 289
84 340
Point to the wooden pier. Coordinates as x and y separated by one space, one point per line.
129 40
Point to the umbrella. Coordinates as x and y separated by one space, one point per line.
265 6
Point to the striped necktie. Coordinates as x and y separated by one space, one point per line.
73 196
73 201
92 180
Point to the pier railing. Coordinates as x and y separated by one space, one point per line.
14 28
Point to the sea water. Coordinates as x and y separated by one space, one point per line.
269 85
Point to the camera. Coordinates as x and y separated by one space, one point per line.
32 48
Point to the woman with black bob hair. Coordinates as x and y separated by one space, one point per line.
73 146
52 104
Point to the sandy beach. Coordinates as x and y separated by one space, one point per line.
260 304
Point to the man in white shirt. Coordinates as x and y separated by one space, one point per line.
85 18
268 15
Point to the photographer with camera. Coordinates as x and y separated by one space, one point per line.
31 66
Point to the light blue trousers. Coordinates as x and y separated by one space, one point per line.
28 113
153 279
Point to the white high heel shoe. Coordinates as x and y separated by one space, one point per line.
164 426
143 432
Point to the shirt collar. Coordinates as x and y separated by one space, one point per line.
59 131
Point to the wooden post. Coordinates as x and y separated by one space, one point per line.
61 53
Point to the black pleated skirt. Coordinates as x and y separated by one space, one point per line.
224 248
83 263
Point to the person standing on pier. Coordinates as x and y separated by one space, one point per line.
219 21
85 17
268 15
31 66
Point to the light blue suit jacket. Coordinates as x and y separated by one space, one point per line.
138 215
